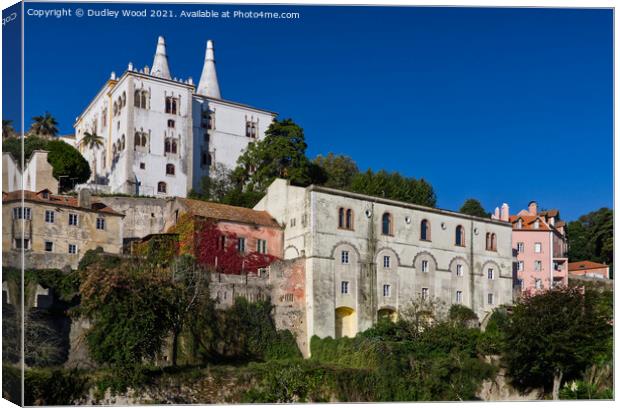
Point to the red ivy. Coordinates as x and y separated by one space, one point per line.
226 259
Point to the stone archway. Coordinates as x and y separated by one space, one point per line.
387 313
346 322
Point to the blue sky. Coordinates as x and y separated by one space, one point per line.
504 105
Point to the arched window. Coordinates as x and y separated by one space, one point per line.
459 238
144 96
170 169
493 242
143 141
123 142
124 99
349 219
386 224
161 187
114 150
167 145
114 109
488 241
341 217
136 139
425 230
170 123
174 146
136 99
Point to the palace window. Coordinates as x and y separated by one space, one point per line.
386 290
73 219
251 129
425 231
459 238
211 120
424 293
171 123
344 287
538 266
140 139
345 218
170 169
490 273
49 246
49 216
344 257
22 243
124 99
459 296
72 249
261 246
386 224
123 142
538 247
490 299
140 98
386 261
491 244
142 166
425 266
171 105
161 187
459 270
241 244
520 247
100 223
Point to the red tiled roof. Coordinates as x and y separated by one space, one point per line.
225 212
549 213
52 199
585 265
528 222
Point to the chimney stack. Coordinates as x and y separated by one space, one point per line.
496 214
532 208
160 62
84 198
208 84
504 213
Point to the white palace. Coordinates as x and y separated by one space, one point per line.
161 134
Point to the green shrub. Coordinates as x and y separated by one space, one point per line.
53 386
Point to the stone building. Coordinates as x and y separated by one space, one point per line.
161 134
540 243
366 257
36 174
588 269
55 230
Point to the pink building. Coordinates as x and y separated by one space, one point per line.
540 246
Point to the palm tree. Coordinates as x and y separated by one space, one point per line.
7 128
44 125
92 141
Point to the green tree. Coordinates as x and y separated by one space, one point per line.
592 237
280 154
7 128
471 206
555 335
91 140
67 161
45 125
394 186
216 186
338 170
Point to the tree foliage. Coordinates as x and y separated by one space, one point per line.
335 171
555 335
471 206
592 237
394 186
44 125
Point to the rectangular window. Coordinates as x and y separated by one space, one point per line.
241 244
538 284
21 243
101 223
520 247
386 290
538 247
344 257
386 261
490 273
538 266
49 246
49 216
261 246
459 270
520 266
490 299
344 287
520 283
424 293
19 213
424 266
459 296
73 219
72 249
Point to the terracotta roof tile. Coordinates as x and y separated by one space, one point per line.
528 222
225 212
584 265
53 199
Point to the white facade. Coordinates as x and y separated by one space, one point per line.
355 274
36 176
160 137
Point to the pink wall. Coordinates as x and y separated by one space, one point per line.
547 256
251 233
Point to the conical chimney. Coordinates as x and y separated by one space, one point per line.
208 84
160 62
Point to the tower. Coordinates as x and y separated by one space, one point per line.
160 61
208 85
